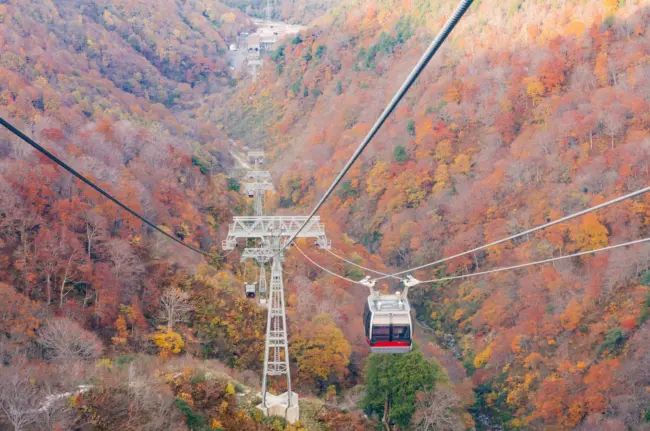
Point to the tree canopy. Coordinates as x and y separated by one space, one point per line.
393 381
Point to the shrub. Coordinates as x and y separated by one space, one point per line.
295 87
198 377
193 420
278 54
355 273
347 191
614 339
645 278
400 153
410 127
204 167
320 51
233 185
124 360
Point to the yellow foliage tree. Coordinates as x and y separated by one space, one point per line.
610 6
377 179
535 88
441 177
572 315
462 165
517 344
453 93
228 17
589 234
444 151
481 359
413 185
169 342
120 339
601 69
576 28
321 350
533 360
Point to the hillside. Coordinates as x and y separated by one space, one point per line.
104 90
104 323
290 11
532 111
106 86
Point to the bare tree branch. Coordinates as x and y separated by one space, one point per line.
174 306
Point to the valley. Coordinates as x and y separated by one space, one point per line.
530 113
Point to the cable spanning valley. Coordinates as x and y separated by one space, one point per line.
455 159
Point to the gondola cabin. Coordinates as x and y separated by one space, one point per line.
250 290
388 326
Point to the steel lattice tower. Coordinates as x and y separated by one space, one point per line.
258 182
273 233
276 353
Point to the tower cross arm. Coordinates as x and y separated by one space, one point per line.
261 255
259 176
258 187
268 227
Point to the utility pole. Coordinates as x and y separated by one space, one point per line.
273 232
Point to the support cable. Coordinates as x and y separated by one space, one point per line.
325 269
526 232
492 271
539 262
419 67
361 267
98 189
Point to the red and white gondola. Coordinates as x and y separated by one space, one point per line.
388 325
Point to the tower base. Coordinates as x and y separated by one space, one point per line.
277 405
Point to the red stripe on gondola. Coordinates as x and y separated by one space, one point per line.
388 343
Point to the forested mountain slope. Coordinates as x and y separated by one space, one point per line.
532 111
96 83
291 11
105 86
105 324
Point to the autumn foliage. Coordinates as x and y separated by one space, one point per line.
531 112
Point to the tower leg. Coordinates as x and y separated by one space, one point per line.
262 283
266 353
259 204
276 354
